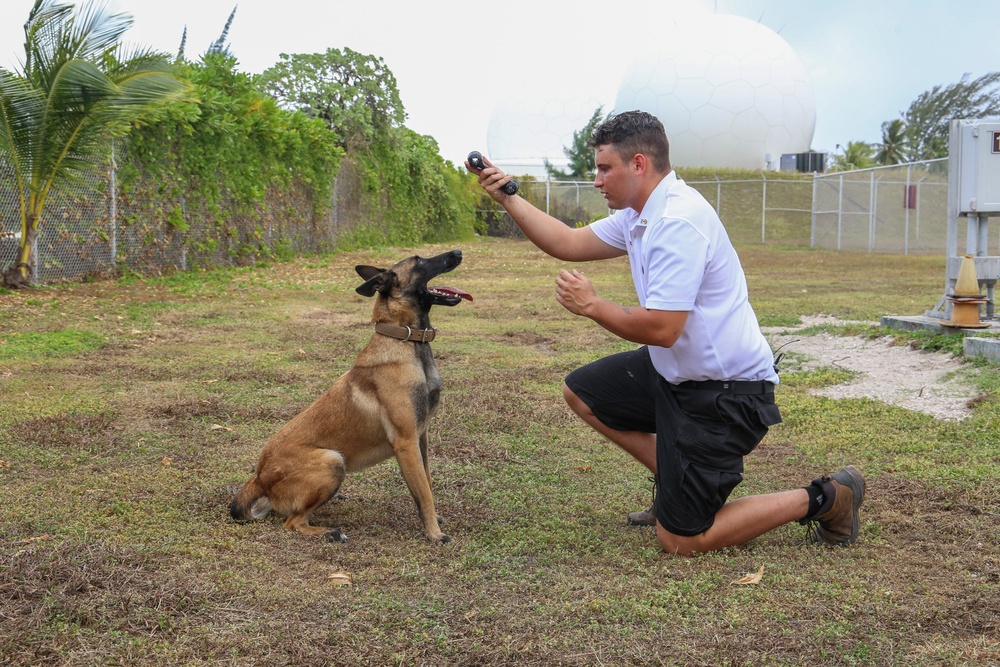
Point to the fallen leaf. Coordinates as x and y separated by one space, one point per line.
165 461
4 464
749 579
219 427
340 579
29 540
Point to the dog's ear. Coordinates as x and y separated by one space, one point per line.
368 272
379 281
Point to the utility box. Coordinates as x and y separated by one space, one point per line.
975 165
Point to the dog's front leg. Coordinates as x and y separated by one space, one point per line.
409 453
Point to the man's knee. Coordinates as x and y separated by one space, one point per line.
678 545
574 401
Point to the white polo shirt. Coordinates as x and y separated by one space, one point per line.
682 259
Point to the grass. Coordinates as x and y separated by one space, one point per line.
130 411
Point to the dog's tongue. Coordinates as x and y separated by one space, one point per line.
453 292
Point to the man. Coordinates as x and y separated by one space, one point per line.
698 395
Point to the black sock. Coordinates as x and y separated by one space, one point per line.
821 496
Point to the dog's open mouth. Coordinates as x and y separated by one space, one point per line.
448 296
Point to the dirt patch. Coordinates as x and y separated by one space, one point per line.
928 382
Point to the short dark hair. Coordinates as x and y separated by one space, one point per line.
632 132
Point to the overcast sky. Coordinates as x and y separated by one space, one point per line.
455 60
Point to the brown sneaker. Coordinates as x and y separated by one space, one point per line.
839 526
642 518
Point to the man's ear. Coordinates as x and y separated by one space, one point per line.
378 281
640 163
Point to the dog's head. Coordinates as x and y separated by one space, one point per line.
408 280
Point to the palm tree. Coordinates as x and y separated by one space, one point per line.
892 150
76 88
856 155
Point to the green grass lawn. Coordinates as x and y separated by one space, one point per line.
130 411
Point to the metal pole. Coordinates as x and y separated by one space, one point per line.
718 194
763 207
113 213
984 236
871 211
548 192
906 230
917 210
840 211
971 233
812 230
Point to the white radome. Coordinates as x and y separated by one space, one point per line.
729 91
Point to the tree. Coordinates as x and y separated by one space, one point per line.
354 94
927 119
77 87
893 148
581 156
857 155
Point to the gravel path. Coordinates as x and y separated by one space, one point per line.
929 382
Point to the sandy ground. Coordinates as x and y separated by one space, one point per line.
928 382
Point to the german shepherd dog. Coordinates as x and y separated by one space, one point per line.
379 408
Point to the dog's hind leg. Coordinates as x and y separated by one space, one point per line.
300 493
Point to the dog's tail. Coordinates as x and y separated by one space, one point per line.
250 502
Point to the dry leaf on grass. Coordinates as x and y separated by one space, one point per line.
749 579
219 427
340 579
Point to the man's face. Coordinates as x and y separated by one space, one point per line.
613 177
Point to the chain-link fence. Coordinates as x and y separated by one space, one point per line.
101 227
770 209
898 209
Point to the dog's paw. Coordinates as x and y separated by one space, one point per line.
444 539
335 535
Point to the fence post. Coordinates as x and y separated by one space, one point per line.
763 206
906 200
113 208
917 209
840 211
548 192
871 211
812 226
718 194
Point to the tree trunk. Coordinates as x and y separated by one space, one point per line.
18 275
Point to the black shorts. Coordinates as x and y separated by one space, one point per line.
702 435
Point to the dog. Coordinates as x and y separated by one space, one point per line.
379 408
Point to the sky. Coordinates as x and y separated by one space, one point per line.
454 61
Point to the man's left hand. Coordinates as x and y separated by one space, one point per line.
575 292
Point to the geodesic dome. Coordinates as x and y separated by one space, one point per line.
729 91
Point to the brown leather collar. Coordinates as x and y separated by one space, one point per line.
405 333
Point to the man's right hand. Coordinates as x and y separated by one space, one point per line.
492 179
